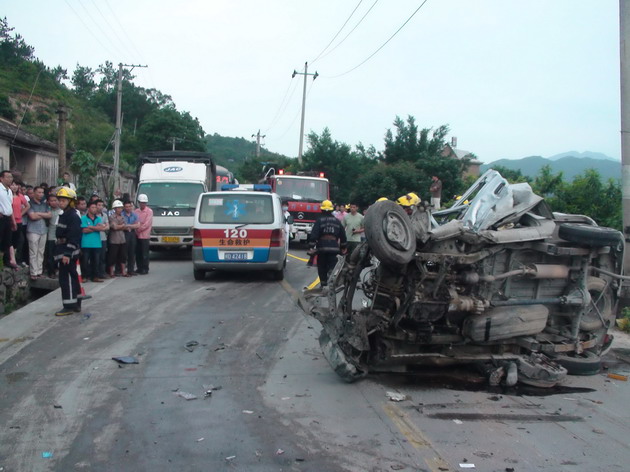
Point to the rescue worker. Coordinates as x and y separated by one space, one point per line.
408 202
328 239
67 251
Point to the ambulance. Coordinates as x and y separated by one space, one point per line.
240 228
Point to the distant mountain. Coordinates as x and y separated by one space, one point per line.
592 155
569 166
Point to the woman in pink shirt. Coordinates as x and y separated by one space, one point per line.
20 207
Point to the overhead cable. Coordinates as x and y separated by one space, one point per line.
105 35
278 111
382 45
351 31
111 29
88 28
340 29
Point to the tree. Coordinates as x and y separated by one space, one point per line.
85 166
83 81
167 122
383 180
547 184
13 48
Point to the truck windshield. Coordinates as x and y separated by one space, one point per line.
240 209
302 189
171 194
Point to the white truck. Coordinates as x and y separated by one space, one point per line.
173 181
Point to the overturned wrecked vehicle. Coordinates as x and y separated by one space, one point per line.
498 281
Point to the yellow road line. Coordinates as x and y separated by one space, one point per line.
313 284
415 437
298 258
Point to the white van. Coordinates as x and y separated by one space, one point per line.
240 229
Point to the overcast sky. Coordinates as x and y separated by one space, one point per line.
510 78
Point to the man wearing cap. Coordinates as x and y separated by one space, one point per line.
117 254
143 233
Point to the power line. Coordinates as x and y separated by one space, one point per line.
340 29
117 51
308 92
110 28
109 51
382 45
124 31
284 104
352 30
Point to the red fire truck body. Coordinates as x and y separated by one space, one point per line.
304 195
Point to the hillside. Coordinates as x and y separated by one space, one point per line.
233 152
569 166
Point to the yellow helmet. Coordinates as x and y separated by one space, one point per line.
408 200
382 199
327 206
66 192
348 207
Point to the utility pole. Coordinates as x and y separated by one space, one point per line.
174 140
624 48
61 140
115 181
258 137
305 73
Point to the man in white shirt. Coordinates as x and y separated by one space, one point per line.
7 220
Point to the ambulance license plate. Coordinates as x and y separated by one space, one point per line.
171 239
235 256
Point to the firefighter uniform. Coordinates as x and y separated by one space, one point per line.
328 238
69 245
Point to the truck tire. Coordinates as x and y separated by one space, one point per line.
587 363
199 274
389 233
597 236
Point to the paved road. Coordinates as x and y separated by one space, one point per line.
279 406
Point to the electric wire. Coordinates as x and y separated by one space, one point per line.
28 102
123 30
338 32
283 104
88 28
116 50
308 92
112 29
382 45
351 31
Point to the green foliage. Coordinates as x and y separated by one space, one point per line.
6 111
385 180
253 170
624 321
84 165
512 175
547 184
167 122
237 154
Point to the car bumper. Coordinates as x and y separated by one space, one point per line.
275 261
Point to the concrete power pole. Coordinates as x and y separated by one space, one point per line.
305 74
624 47
61 140
115 178
173 140
258 138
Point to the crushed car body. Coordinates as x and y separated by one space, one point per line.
497 280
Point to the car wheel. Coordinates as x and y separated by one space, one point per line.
602 301
597 236
279 274
389 233
587 363
199 274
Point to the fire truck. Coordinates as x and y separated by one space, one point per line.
304 193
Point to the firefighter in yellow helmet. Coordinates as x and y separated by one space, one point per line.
382 199
67 251
408 202
327 239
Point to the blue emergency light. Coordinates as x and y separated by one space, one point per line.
229 187
262 187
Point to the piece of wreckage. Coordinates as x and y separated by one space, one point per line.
497 280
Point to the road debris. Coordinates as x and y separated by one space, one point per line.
397 467
279 452
126 360
209 388
458 421
220 347
200 439
466 465
58 407
248 412
230 458
185 395
190 345
623 378
47 454
396 397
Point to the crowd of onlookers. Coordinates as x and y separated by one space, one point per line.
115 242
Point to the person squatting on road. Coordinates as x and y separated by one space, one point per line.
67 251
328 239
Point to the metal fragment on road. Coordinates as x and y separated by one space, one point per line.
248 412
185 395
126 360
458 421
229 458
395 396
467 466
190 345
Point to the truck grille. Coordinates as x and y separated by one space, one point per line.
179 230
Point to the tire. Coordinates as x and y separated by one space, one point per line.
279 274
587 363
389 233
597 236
601 294
199 274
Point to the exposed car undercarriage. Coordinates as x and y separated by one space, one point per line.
497 280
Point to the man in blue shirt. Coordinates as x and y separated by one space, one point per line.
91 244
131 220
